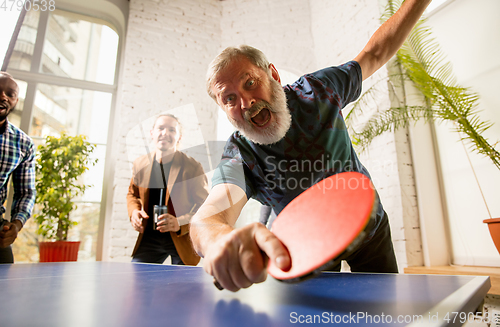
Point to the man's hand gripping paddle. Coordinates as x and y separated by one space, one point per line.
324 225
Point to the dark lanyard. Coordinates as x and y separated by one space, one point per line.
164 183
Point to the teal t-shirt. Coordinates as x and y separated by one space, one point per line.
316 146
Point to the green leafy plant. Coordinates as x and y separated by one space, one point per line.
421 61
59 164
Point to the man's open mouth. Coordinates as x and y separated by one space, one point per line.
262 117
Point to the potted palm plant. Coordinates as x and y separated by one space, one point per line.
421 61
59 164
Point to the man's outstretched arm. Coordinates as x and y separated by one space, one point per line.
237 258
390 36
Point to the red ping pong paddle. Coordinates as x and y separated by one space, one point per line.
324 224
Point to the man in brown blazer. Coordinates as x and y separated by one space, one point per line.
186 189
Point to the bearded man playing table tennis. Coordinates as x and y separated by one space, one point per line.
287 140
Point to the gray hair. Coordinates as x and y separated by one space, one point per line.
230 54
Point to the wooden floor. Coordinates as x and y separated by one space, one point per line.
493 272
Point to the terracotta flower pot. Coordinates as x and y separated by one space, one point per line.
494 227
58 251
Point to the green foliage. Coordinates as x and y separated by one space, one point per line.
421 61
59 164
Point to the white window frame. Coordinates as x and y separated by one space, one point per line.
115 15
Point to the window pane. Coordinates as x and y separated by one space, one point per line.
72 110
23 50
95 176
87 216
78 48
25 247
75 47
9 20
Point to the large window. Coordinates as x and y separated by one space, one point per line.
65 65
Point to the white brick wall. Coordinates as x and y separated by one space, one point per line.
281 29
341 28
170 43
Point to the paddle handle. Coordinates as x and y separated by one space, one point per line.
218 285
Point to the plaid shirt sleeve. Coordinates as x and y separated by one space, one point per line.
23 178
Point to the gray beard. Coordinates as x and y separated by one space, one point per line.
278 128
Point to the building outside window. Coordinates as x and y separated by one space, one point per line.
65 66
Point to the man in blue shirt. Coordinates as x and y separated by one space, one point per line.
287 140
17 158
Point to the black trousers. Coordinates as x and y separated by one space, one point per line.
154 249
6 255
376 255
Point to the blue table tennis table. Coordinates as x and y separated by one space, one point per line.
125 294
